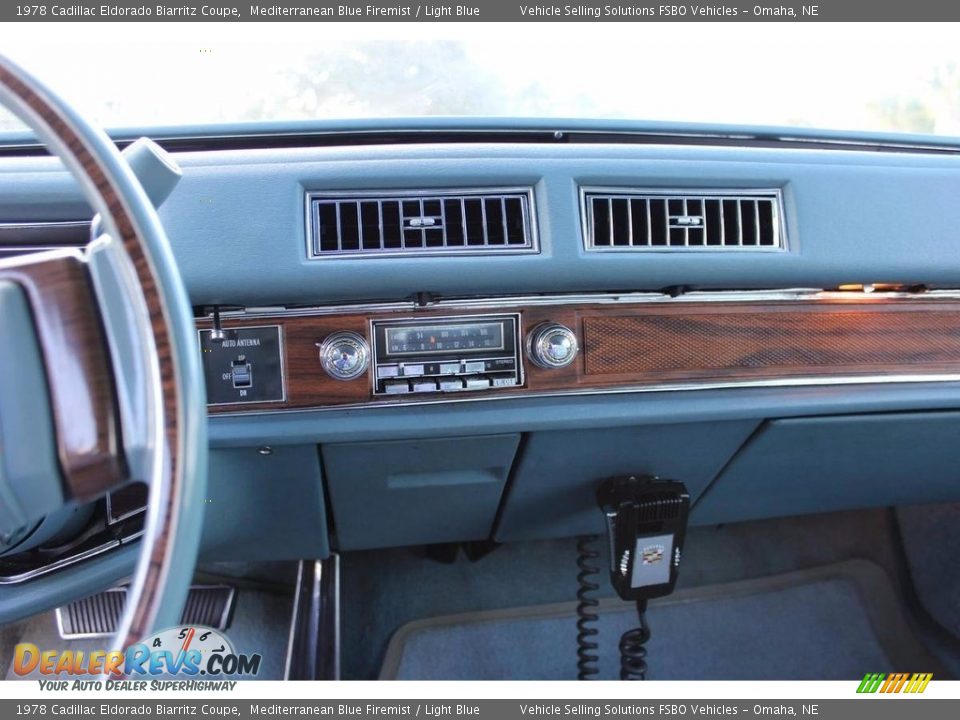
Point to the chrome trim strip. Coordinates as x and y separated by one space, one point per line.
779 219
623 390
228 605
322 654
23 249
629 298
64 562
335 600
44 224
557 129
528 211
61 563
44 256
291 636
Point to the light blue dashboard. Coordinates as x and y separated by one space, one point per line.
237 221
238 227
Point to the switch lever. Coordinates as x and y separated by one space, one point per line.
217 334
241 372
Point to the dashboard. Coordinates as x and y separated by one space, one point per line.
657 267
416 336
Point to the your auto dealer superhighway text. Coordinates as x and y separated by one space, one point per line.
143 11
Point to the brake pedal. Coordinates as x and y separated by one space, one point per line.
99 615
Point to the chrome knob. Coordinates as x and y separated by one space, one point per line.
344 355
551 345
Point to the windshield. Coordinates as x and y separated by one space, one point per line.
867 77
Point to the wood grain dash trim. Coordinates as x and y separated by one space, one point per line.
78 370
771 342
662 344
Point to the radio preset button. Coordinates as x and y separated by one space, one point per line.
477 383
449 368
388 371
425 386
395 387
474 367
411 370
448 384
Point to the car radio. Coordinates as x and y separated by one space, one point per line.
448 354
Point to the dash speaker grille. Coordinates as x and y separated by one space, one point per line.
832 339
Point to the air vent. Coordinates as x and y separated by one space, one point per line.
406 224
682 220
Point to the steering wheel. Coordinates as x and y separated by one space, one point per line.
105 337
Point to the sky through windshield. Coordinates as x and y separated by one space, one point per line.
874 77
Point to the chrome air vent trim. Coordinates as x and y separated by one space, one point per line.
619 219
419 223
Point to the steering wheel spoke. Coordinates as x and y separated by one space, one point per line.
77 368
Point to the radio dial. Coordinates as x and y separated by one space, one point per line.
552 345
344 355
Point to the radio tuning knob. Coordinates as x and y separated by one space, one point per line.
552 345
344 355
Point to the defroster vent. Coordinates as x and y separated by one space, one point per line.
682 220
421 223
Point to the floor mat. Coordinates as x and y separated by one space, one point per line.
931 537
828 623
391 588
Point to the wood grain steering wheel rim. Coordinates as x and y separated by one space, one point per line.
92 459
